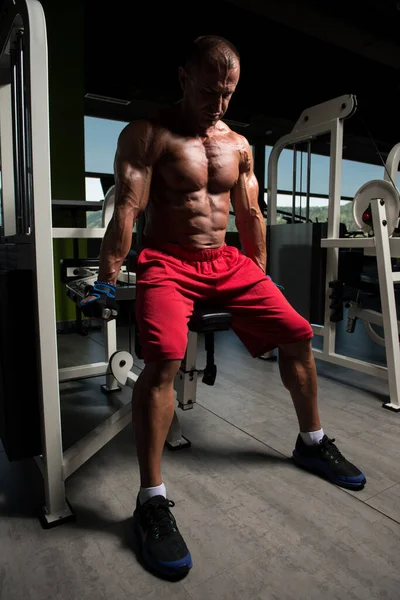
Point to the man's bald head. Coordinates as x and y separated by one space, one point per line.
213 52
208 78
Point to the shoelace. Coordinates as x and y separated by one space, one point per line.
159 519
329 449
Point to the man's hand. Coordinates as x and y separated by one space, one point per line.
99 302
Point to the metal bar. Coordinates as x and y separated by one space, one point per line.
367 243
97 175
392 165
77 232
16 140
367 314
175 438
313 195
363 242
332 258
84 205
396 277
82 371
7 161
294 184
388 302
186 379
110 335
86 447
317 329
373 334
308 181
259 169
394 244
38 103
352 363
24 150
301 177
29 172
131 379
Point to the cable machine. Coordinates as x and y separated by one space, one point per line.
376 209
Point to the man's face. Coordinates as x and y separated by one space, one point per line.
207 92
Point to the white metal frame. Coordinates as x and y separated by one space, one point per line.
369 317
55 464
328 118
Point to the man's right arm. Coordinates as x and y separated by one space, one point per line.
133 170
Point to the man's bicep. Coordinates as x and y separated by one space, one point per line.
244 196
132 188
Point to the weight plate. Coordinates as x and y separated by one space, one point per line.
377 188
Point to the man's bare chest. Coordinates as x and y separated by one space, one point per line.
192 165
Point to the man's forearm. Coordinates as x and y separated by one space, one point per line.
252 234
115 246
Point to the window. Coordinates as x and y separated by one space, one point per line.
354 175
101 137
94 193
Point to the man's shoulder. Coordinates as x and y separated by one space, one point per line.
147 127
241 144
144 137
237 138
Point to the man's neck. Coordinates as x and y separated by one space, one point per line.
192 127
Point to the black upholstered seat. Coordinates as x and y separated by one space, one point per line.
208 319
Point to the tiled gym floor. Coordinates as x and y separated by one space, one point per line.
258 527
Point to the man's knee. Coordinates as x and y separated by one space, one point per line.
161 374
300 349
302 333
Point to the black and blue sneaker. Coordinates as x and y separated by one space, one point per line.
163 548
325 459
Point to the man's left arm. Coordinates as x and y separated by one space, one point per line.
249 219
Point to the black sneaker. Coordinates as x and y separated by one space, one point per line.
162 546
326 459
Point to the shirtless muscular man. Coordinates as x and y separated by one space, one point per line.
183 168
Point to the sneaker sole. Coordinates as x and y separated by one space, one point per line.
359 485
157 568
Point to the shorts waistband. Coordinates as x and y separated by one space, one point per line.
190 254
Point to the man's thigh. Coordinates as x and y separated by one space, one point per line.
162 312
263 319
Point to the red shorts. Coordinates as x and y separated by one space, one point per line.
170 280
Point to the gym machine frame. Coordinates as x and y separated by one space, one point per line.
328 118
26 179
25 109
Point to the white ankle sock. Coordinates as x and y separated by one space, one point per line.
147 493
312 437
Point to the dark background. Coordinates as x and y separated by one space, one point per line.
294 55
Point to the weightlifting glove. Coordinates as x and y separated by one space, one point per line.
102 304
